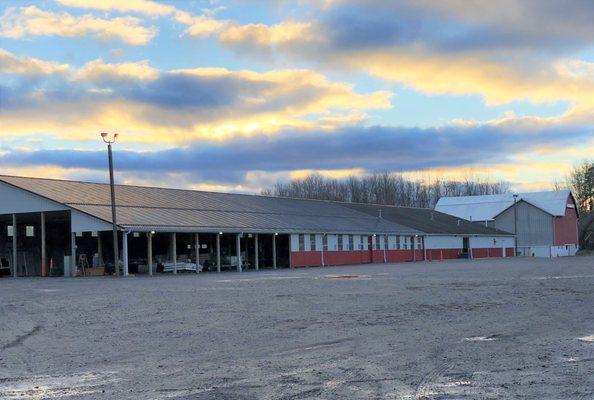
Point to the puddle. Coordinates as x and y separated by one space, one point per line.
570 359
345 276
589 338
54 387
490 338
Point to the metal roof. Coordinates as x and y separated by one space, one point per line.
487 207
152 208
427 220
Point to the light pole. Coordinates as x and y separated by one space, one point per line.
116 257
515 225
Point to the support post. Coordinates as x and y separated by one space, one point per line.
218 252
274 250
125 252
43 246
424 249
384 239
247 250
174 250
99 250
14 246
414 246
516 225
238 248
73 266
149 246
197 244
470 256
256 253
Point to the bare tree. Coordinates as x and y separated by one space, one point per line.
580 181
384 188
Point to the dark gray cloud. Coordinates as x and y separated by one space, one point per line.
368 148
461 25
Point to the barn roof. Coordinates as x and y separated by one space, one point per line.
153 208
487 207
427 220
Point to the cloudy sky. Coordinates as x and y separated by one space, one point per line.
234 95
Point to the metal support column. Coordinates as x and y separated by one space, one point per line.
149 255
238 247
125 252
256 253
43 246
274 250
218 252
174 250
73 267
414 246
14 246
197 244
99 250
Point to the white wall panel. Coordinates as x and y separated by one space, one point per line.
84 223
443 242
294 242
14 200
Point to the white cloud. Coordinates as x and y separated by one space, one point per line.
141 6
32 21
9 63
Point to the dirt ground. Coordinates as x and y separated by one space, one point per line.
489 329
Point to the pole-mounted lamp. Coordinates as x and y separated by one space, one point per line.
110 139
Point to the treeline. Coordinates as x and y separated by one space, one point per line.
580 181
384 188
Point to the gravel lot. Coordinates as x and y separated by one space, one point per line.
490 329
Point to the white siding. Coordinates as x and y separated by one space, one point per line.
443 242
319 242
391 242
356 242
85 223
332 242
491 242
294 242
14 200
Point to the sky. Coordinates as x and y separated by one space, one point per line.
237 95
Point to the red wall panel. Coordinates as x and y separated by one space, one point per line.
447 254
314 258
306 259
565 228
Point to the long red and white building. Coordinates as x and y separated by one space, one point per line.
55 227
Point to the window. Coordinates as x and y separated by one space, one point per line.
301 242
405 242
420 242
312 242
9 231
376 245
30 231
398 242
325 242
412 242
340 244
351 242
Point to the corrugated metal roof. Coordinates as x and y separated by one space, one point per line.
147 208
427 220
487 207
